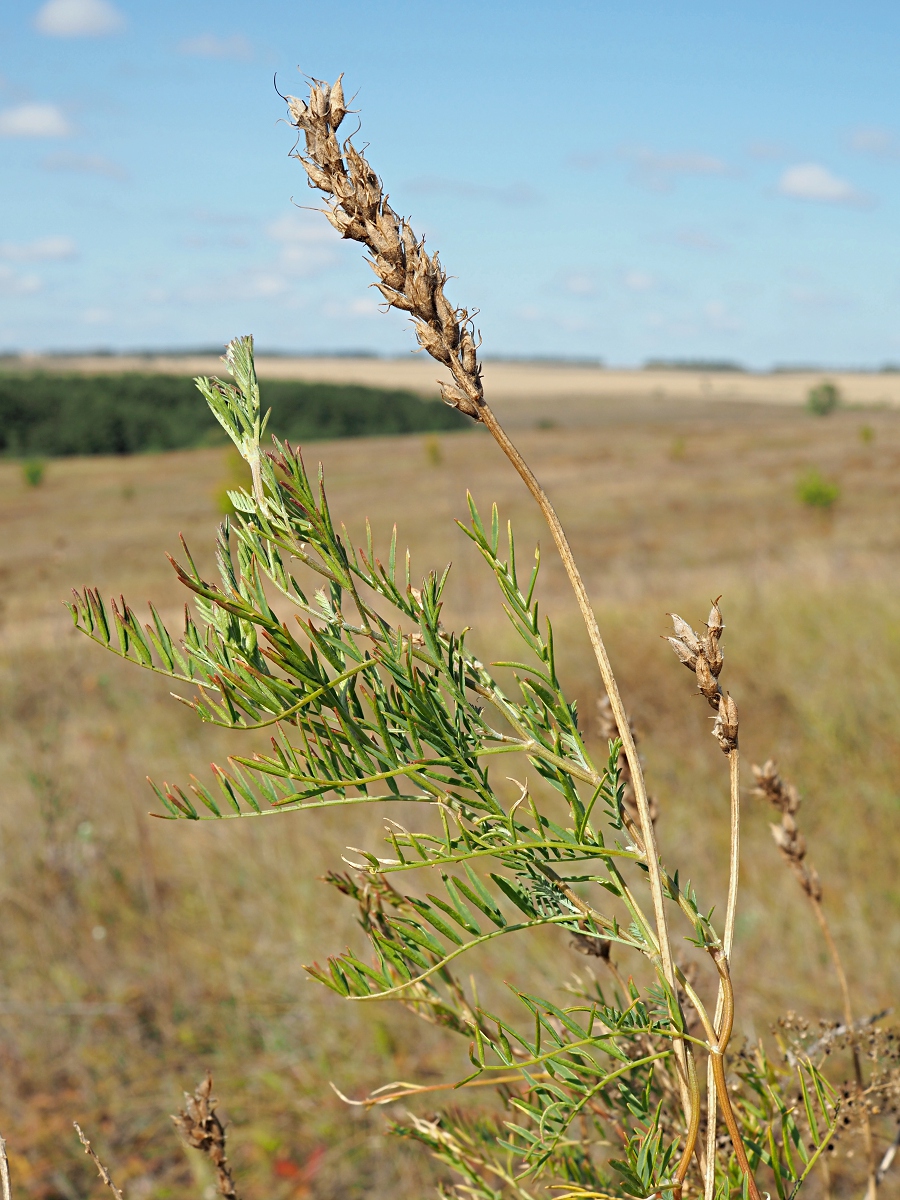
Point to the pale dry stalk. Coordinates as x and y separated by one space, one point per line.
784 797
703 656
104 1174
412 281
5 1187
199 1125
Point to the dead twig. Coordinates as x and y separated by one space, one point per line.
88 1149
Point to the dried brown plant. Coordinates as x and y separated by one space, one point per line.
91 1153
784 797
703 655
200 1127
408 278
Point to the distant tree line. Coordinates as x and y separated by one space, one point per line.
44 413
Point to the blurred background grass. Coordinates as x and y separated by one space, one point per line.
137 953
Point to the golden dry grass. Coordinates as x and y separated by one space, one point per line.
204 929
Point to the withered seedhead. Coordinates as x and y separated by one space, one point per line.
407 277
788 838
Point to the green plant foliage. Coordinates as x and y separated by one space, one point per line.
33 471
815 491
823 399
372 699
50 414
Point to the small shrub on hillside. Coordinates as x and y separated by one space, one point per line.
815 491
33 471
823 399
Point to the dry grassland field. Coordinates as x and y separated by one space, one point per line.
136 953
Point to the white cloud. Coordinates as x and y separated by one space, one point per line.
34 120
638 281
46 248
580 284
78 18
871 139
307 242
511 194
659 172
209 45
96 316
84 164
810 181
13 284
719 318
698 239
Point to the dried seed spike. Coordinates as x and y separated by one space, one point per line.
684 654
685 633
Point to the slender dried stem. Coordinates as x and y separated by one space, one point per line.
104 1174
734 771
871 1170
4 1172
648 834
790 841
717 1058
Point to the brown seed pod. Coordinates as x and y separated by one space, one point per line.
725 729
685 633
429 339
457 399
446 314
467 353
686 656
337 110
317 177
395 299
705 681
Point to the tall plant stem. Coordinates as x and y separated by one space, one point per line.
717 1059
734 859
648 834
871 1173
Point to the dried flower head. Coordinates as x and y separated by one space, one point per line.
703 655
788 838
408 278
199 1125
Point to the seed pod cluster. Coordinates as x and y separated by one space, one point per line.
788 838
407 277
608 731
703 655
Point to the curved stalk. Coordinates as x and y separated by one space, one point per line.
717 1058
609 682
734 773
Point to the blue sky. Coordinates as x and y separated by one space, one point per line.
604 179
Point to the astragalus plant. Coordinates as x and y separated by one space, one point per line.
618 1082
